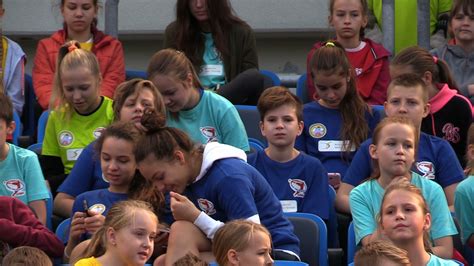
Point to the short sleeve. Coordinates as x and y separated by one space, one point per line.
464 206
238 201
362 217
50 143
448 169
442 224
233 130
34 179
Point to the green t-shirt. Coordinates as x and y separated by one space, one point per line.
406 18
67 139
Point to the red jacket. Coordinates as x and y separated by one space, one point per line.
109 53
19 227
372 83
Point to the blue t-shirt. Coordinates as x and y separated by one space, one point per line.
437 261
301 184
435 159
212 70
100 200
464 207
232 189
21 176
86 175
214 118
366 199
321 136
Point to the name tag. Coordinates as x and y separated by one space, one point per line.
212 70
73 154
289 205
332 145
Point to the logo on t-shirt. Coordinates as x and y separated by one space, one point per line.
16 186
209 133
206 206
97 208
426 169
97 132
298 186
358 71
451 133
66 138
317 130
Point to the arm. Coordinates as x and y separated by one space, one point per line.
25 230
342 197
449 193
16 86
63 204
39 207
43 75
362 207
114 72
443 247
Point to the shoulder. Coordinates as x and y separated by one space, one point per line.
466 186
361 189
241 28
216 101
21 153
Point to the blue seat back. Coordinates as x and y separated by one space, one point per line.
62 231
49 211
256 145
333 237
17 132
302 89
42 125
275 80
131 74
312 233
251 119
351 243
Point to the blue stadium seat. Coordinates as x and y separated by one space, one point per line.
130 74
271 76
251 119
256 145
62 231
17 132
351 243
49 211
302 89
42 125
333 237
312 232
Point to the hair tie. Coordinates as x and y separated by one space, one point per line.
72 47
435 59
330 44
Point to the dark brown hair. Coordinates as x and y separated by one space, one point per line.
466 6
377 135
277 96
331 59
420 61
189 34
130 87
409 80
6 108
365 12
372 253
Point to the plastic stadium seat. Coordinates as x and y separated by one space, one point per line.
42 125
312 232
251 119
62 231
16 134
351 244
130 74
302 89
256 145
270 76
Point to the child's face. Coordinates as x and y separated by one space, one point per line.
403 218
330 88
281 127
258 251
407 102
135 104
78 14
167 174
395 150
347 18
117 162
176 94
463 26
199 10
81 89
134 243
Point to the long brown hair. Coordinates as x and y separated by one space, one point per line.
404 185
331 59
188 34
420 61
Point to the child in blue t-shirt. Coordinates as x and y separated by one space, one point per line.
464 196
218 185
299 181
204 115
131 99
115 148
407 96
338 122
20 172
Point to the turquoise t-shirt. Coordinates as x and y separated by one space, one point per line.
436 261
464 207
405 19
214 118
21 176
212 70
366 198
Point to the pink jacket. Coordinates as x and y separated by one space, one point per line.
109 53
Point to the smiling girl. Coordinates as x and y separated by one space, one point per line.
80 24
79 112
393 151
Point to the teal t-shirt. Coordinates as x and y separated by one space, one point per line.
366 198
464 207
436 261
214 118
212 70
21 176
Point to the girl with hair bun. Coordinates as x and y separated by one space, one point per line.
208 183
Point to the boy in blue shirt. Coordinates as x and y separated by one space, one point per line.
20 172
298 180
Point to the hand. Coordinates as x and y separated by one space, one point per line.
94 222
182 208
77 227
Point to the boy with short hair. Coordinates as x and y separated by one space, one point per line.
407 96
20 171
298 180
